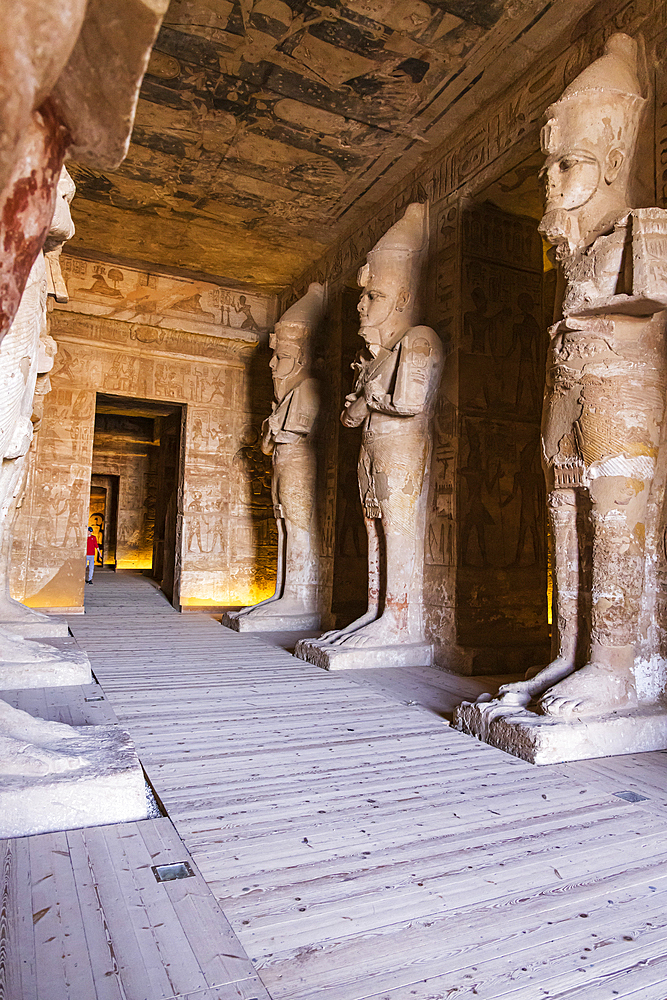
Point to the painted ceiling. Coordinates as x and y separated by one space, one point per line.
266 129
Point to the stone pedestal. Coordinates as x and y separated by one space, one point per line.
542 739
277 623
26 664
39 627
416 654
107 787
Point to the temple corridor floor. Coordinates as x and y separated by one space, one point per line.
358 846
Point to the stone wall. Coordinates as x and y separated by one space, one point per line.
134 334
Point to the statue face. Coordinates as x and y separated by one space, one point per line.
285 364
570 178
381 310
584 174
62 226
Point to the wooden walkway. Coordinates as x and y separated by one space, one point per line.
358 847
362 849
84 918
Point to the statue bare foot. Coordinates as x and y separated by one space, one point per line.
339 634
20 757
19 725
242 612
384 631
598 688
13 649
286 605
14 611
536 682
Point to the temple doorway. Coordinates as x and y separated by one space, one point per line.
136 472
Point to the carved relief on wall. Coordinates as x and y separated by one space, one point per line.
204 516
503 340
441 532
160 302
500 511
255 531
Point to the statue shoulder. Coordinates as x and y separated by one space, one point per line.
304 407
418 373
422 342
307 392
424 339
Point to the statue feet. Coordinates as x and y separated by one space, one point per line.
26 742
337 635
21 758
27 623
536 682
604 685
14 611
386 630
368 642
289 613
32 664
285 605
19 725
14 649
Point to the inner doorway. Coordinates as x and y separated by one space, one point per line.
103 516
136 473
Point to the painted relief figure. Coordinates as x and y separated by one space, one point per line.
602 430
397 376
289 435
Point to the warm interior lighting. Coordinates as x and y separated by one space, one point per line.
232 598
136 560
550 579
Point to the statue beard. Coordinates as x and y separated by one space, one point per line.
283 386
561 228
372 338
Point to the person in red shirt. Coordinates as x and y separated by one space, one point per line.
91 550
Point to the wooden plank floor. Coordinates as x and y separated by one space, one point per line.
361 848
84 918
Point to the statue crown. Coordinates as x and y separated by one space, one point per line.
297 323
407 236
308 310
615 70
603 104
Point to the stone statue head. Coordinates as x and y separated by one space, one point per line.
292 340
589 140
62 227
390 281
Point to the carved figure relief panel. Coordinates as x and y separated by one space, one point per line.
501 581
160 302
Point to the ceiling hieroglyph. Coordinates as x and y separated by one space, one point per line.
265 129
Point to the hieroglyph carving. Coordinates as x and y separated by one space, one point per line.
289 435
397 376
601 433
